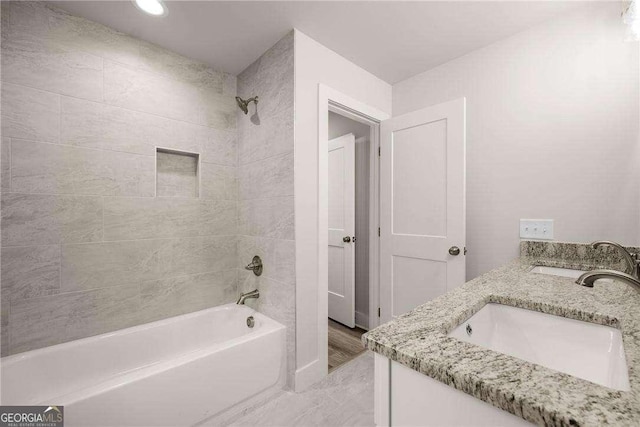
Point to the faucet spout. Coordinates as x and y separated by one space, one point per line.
248 295
633 264
588 278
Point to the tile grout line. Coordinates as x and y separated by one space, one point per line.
113 196
229 129
128 284
10 165
111 150
274 156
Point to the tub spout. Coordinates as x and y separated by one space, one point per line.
243 297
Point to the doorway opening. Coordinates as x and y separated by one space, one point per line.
351 182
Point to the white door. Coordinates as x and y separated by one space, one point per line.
342 214
422 206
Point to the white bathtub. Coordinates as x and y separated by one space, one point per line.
173 372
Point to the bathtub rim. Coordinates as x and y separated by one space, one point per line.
155 368
110 382
14 358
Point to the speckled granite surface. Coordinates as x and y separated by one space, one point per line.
580 256
419 340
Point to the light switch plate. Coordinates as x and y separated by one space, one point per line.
540 229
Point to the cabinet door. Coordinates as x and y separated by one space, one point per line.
419 400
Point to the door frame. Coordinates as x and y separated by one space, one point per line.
332 100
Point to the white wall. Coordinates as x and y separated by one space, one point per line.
314 65
552 132
340 125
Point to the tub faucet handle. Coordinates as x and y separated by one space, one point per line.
255 266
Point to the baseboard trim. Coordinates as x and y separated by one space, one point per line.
309 375
362 320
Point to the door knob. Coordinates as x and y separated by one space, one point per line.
454 250
346 239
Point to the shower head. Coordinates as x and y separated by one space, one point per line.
244 105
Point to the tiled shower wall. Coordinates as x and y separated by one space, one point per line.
265 191
87 247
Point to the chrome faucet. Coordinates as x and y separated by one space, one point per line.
243 297
631 276
633 264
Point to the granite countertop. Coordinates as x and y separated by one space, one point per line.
419 340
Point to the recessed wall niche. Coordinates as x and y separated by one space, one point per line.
177 173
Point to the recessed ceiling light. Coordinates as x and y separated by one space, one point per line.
152 7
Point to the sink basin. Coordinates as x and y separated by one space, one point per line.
585 350
555 271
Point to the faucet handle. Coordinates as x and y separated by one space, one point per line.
255 266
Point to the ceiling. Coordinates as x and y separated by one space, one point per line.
392 40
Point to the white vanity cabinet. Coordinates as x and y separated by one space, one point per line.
404 397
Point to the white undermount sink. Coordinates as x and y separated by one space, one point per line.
585 350
556 271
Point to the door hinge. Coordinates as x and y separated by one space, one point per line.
378 311
378 151
378 231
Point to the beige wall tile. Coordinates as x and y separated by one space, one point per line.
56 169
272 177
5 165
285 261
218 182
272 137
220 147
83 123
135 218
273 217
37 64
4 327
152 93
33 219
96 125
265 188
177 67
72 316
67 133
30 271
180 295
203 254
110 264
29 113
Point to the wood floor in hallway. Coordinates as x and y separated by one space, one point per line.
344 344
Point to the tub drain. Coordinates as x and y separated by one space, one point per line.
251 322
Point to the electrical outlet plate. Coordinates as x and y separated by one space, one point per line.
539 229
